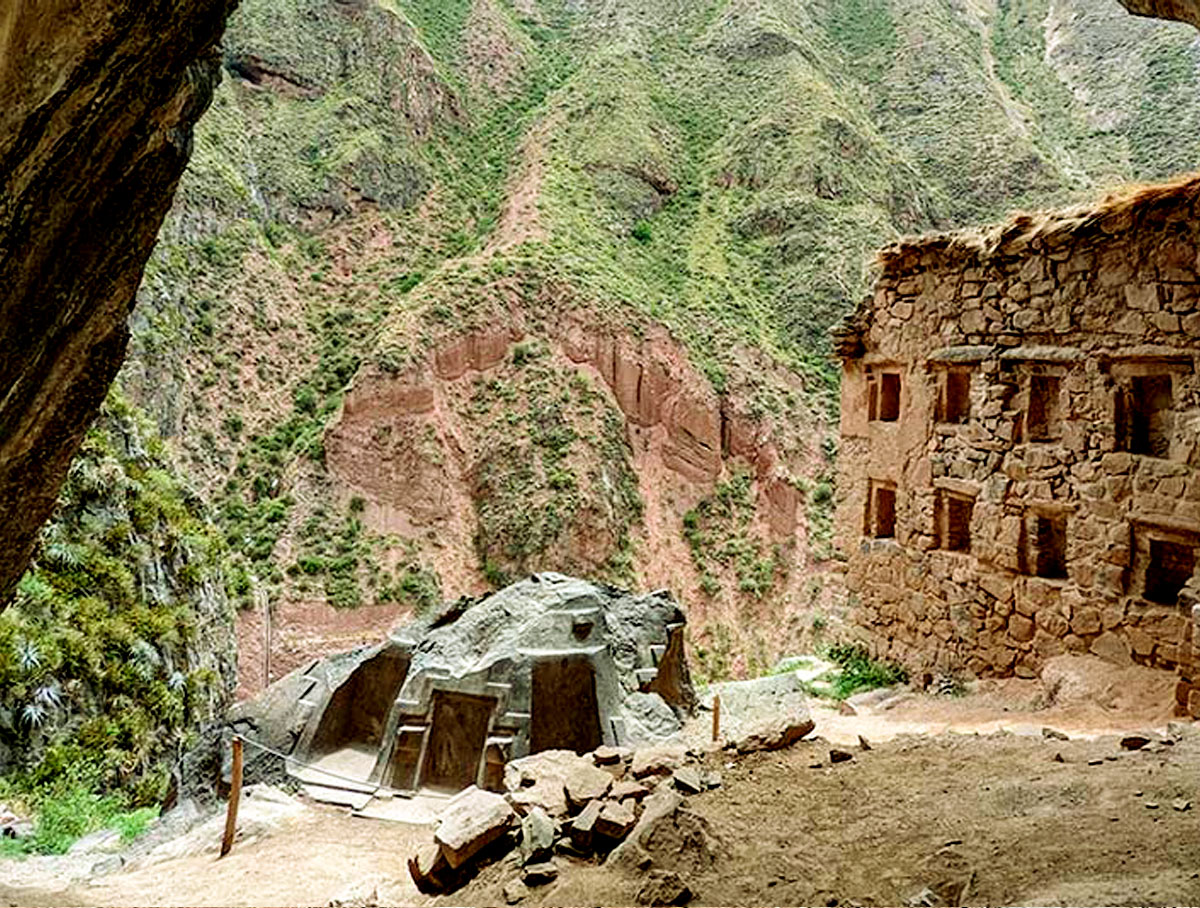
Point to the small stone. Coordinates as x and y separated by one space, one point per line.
846 709
1181 804
1054 734
615 820
628 789
606 755
655 761
863 743
584 825
1134 742
712 779
584 783
840 756
816 764
687 779
664 887
1151 805
540 874
1058 758
1137 794
429 869
515 891
537 836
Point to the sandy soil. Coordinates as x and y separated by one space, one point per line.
960 819
325 855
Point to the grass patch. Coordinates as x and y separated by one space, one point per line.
859 672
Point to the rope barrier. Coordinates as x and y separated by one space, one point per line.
292 761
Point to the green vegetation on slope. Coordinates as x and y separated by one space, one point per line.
118 642
724 169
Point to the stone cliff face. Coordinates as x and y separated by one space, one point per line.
97 103
1183 10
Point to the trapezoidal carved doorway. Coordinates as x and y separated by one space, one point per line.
565 714
455 749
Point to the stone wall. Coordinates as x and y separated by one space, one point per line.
1026 404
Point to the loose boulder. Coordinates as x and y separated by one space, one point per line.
472 821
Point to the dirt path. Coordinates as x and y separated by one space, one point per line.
323 855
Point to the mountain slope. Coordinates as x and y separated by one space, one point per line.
459 290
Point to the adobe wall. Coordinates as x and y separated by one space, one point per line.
1045 456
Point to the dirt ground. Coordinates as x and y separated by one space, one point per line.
958 801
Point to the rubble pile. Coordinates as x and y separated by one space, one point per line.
616 805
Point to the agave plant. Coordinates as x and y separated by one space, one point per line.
34 715
144 658
49 695
29 657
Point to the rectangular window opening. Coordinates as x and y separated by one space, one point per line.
881 511
1051 546
1043 418
1170 567
954 516
1146 415
956 396
889 396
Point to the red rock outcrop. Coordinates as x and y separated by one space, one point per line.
97 102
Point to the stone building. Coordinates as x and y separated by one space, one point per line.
1020 442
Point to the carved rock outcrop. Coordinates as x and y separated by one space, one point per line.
97 102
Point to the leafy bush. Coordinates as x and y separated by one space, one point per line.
860 672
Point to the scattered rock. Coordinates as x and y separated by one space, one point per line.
664 887
775 734
605 755
1151 805
472 820
816 764
712 779
1054 734
1176 730
863 743
615 820
584 825
656 761
540 874
872 699
1181 804
839 756
514 891
845 709
1134 742
668 835
539 779
430 870
537 836
628 789
1058 758
585 782
687 779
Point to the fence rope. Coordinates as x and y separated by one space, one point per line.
292 761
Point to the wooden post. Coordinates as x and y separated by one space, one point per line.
235 795
716 717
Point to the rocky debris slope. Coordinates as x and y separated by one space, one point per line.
625 808
97 104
